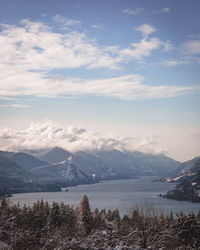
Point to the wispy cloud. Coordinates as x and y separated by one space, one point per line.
129 87
164 10
72 138
97 26
191 48
30 51
172 63
145 29
144 48
14 105
66 21
190 51
133 12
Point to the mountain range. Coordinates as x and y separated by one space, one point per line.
51 169
105 164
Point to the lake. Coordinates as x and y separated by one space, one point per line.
122 194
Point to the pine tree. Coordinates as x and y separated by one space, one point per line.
84 215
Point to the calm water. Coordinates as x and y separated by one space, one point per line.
122 194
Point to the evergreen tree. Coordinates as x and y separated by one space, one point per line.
84 214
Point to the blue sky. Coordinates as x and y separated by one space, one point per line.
119 68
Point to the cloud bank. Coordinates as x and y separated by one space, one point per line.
48 134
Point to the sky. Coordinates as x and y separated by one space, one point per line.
121 74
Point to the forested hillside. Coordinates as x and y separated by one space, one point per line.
62 227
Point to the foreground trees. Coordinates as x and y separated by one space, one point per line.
60 226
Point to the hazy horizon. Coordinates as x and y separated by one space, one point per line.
117 74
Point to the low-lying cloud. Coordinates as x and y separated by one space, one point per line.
48 134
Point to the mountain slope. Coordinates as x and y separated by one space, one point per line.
27 161
131 164
20 172
188 187
65 173
91 165
53 155
184 170
9 168
109 164
161 165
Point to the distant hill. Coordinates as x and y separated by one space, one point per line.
188 177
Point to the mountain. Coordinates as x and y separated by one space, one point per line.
112 164
12 176
21 172
58 167
65 173
26 161
132 164
86 162
188 187
53 155
9 168
184 169
157 164
91 165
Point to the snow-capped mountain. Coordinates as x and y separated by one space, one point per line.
70 171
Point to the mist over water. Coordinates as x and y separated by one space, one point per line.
122 194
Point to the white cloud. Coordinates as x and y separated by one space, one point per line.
133 12
13 105
168 46
128 87
33 46
97 26
172 63
142 49
145 29
191 48
66 21
49 134
29 52
164 10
